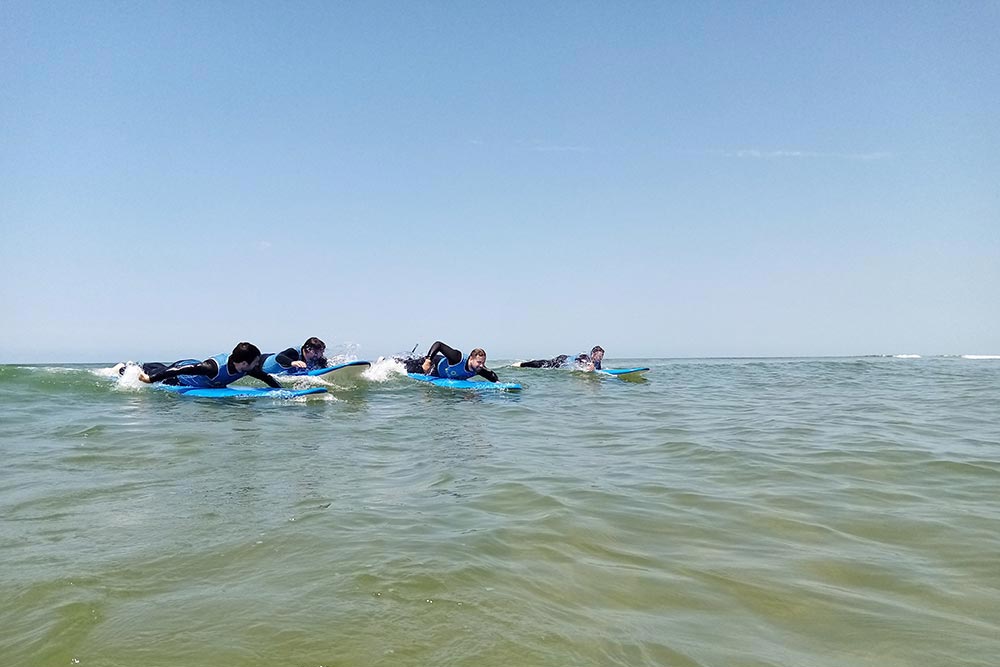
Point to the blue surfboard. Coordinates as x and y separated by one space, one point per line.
465 384
239 392
620 372
351 370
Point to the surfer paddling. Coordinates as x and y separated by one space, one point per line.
217 371
582 361
310 356
444 361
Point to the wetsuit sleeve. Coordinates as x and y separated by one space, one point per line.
488 374
454 356
265 378
207 368
286 357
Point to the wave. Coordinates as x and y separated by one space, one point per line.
981 356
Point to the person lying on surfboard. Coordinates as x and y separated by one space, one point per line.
217 371
311 355
446 362
582 362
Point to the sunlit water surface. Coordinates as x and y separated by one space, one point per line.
800 512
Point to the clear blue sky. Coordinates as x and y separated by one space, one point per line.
665 179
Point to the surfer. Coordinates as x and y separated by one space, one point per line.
311 355
593 361
444 361
582 361
217 371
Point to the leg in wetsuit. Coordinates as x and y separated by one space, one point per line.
416 364
151 368
546 363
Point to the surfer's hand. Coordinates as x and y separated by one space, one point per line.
299 364
144 378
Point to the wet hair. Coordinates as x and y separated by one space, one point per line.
478 352
314 344
597 348
245 352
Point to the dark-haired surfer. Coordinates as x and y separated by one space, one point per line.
311 355
582 361
217 371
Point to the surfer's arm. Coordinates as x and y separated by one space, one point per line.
487 373
265 378
287 358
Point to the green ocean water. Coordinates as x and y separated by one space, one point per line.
768 512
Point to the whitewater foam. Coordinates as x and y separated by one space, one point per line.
384 369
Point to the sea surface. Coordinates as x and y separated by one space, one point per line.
833 512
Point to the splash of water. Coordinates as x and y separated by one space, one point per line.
384 369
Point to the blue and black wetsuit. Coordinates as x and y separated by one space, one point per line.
212 372
447 362
282 362
583 359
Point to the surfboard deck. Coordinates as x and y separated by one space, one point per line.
239 392
465 384
623 372
349 371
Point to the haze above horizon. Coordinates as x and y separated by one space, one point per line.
667 181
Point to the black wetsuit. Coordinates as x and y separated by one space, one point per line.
557 362
167 373
581 359
416 364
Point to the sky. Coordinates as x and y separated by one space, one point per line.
665 179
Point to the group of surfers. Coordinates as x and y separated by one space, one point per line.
246 359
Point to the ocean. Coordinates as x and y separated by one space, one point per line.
829 512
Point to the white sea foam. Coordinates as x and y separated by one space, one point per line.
315 397
906 356
384 369
302 382
981 356
129 379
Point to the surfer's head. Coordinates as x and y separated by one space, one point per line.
596 354
314 344
313 350
244 356
477 359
